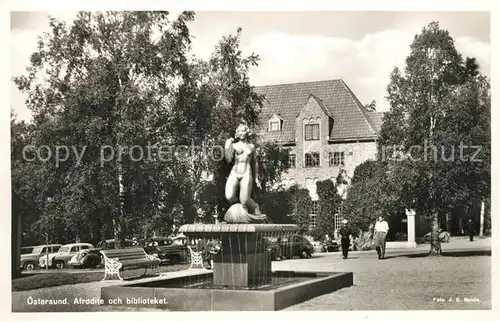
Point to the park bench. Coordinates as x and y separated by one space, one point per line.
117 259
197 259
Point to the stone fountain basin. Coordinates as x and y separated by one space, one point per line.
223 228
192 291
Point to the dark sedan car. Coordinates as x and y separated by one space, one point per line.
289 247
110 244
166 250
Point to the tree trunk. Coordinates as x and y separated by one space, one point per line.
435 242
116 230
121 210
481 220
119 217
448 222
487 216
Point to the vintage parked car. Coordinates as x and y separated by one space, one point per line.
86 258
180 240
30 261
168 251
62 257
91 258
110 244
331 246
289 247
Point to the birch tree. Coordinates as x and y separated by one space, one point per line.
420 124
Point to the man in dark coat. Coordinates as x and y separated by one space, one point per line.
345 232
469 227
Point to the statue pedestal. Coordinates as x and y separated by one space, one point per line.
237 214
243 260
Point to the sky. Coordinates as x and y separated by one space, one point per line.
362 48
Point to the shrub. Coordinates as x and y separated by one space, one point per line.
364 241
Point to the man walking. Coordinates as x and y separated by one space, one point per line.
380 232
345 233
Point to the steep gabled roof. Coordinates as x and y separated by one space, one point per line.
321 104
334 96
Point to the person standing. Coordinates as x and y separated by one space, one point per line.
327 243
345 241
470 229
380 233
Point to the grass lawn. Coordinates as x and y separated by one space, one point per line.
56 278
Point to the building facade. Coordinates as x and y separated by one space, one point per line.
326 128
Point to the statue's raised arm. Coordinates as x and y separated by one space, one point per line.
229 150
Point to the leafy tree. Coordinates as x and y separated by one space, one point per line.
21 176
33 184
300 206
471 69
125 80
276 205
273 162
366 198
274 201
466 122
328 201
420 116
107 80
214 98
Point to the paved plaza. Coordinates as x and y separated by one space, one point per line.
402 283
460 280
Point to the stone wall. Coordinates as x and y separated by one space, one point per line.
355 152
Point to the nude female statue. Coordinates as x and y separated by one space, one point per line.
244 173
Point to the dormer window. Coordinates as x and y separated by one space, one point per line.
275 123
